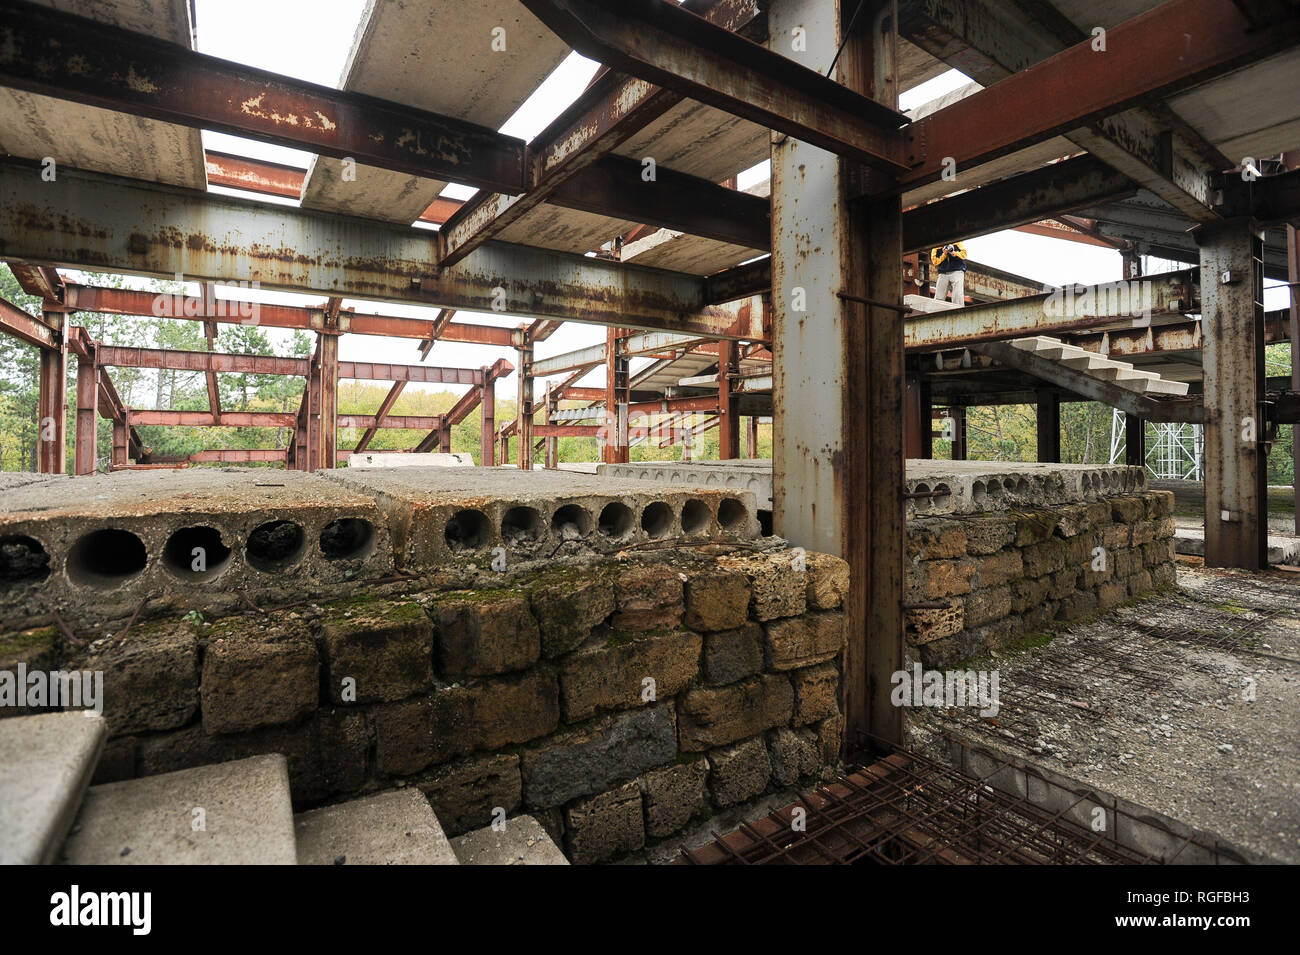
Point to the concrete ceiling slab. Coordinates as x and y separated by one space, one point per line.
87 137
1252 112
565 230
439 57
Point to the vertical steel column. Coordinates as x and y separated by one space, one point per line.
751 437
487 423
52 404
311 408
1293 276
524 415
838 468
958 432
444 434
1135 441
552 442
329 401
615 449
87 411
122 441
912 426
1232 323
728 403
1049 427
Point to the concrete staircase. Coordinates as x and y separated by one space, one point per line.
239 812
1121 373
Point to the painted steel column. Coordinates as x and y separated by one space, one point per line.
52 404
329 401
1135 441
524 415
1232 318
751 436
1049 427
838 468
87 412
1293 276
728 405
487 423
121 441
552 442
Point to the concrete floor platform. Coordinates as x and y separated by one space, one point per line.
946 487
98 545
439 516
46 763
523 841
1181 706
390 828
235 813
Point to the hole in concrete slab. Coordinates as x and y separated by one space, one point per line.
195 554
571 522
995 489
275 546
467 530
348 538
22 560
732 515
696 517
616 520
942 494
657 519
105 558
978 492
765 523
922 502
521 525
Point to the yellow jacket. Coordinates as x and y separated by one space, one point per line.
938 257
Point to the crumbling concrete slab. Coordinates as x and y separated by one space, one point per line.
390 828
1281 550
235 813
93 548
521 841
443 516
939 487
46 762
1179 706
9 480
398 459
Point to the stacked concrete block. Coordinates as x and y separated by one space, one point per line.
685 683
981 582
92 549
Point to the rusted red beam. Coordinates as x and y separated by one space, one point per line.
385 406
69 57
254 175
43 281
116 356
117 301
391 422
566 430
581 394
240 455
206 419
26 327
428 374
1149 57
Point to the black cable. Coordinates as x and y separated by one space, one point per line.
847 33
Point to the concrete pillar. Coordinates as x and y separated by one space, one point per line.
1232 319
838 468
1049 427
487 427
52 402
87 412
524 416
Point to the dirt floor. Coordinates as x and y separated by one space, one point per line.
1186 702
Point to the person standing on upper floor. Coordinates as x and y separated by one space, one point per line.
950 263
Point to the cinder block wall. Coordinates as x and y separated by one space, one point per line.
619 700
1001 576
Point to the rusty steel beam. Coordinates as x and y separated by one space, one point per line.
428 374
1149 57
26 327
328 374
487 426
674 48
87 414
99 222
1019 200
69 57
385 406
567 430
52 400
524 406
239 456
206 419
392 422
1051 312
115 356
728 402
39 280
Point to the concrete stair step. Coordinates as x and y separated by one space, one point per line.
243 806
46 762
523 841
390 828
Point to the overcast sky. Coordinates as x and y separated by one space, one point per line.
310 40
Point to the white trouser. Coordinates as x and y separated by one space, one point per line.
950 280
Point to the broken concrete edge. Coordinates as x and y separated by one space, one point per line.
1136 827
